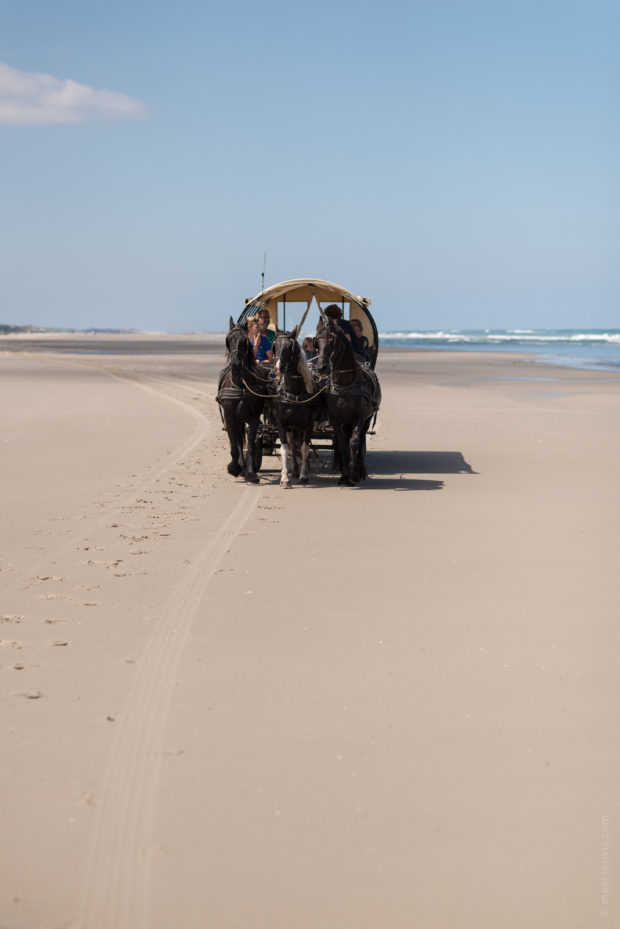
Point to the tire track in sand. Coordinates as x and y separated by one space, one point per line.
117 887
57 551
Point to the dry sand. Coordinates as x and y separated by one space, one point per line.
229 706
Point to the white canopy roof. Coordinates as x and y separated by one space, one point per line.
303 290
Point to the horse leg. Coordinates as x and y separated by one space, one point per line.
336 457
284 454
284 476
362 459
250 473
305 437
235 437
294 446
305 462
363 471
341 444
356 449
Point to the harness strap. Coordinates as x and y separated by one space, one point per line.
229 393
264 396
292 398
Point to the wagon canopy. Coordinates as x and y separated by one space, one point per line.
288 301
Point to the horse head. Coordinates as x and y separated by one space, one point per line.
325 341
238 345
290 361
286 351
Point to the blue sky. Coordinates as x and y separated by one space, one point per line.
458 162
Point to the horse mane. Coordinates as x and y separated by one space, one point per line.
303 369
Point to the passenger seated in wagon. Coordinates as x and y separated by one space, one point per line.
309 350
260 342
359 332
264 318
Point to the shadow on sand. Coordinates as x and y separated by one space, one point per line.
392 470
402 462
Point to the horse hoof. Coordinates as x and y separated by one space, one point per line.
234 469
286 485
345 482
252 479
303 480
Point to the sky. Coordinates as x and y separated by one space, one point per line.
457 161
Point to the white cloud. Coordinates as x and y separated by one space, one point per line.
29 99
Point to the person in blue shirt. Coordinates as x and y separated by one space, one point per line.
260 342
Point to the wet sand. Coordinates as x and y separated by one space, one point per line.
242 706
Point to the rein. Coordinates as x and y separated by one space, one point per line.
342 370
264 396
332 382
293 398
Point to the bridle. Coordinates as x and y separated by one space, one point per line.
291 363
239 354
333 337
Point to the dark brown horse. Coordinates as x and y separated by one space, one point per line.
296 405
241 391
352 398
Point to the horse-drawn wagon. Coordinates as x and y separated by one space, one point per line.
344 383
291 302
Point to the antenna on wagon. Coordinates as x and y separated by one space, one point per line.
263 274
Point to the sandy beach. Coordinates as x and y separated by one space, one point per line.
242 707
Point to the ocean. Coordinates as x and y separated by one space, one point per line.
593 349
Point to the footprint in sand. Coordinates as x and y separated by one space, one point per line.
11 618
29 695
103 564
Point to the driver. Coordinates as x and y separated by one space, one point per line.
334 312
